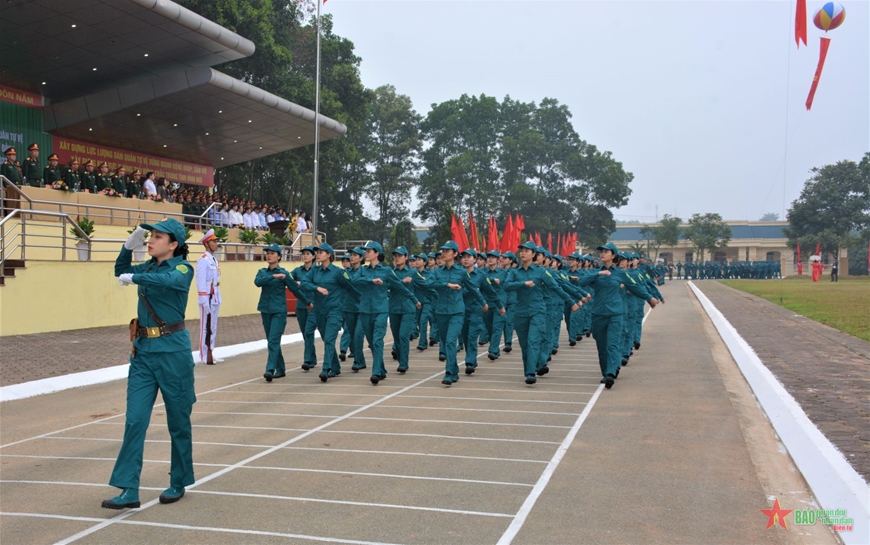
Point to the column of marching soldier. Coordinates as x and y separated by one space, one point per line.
758 270
459 301
469 302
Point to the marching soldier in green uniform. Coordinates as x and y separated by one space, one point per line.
272 306
529 281
494 318
31 173
373 281
51 175
88 178
328 284
71 177
473 326
352 338
10 168
161 360
427 299
306 320
508 261
608 310
402 310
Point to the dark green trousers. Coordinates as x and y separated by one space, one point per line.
608 331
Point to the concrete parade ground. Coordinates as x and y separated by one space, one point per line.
681 450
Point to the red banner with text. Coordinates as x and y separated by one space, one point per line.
22 98
172 169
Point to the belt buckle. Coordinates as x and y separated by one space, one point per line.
153 332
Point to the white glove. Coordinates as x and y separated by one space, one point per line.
136 240
125 279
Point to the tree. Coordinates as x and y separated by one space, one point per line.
833 207
770 216
667 233
391 153
707 232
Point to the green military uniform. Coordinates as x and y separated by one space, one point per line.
305 319
272 307
11 168
608 313
51 174
120 186
328 312
510 306
530 317
375 304
161 360
30 171
403 311
427 297
472 325
352 338
133 187
88 179
494 320
71 177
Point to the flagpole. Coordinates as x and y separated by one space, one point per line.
314 212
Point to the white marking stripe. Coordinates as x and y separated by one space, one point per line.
458 456
526 508
114 416
473 410
201 528
359 503
93 459
451 398
390 475
224 471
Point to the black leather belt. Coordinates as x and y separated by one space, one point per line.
157 331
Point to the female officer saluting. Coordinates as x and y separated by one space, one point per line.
161 359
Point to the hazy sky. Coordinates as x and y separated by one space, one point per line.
696 98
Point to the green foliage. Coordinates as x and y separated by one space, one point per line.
833 207
283 241
269 238
86 226
667 233
769 216
707 232
187 232
222 234
249 236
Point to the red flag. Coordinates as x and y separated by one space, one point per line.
819 248
520 223
492 235
823 52
507 238
454 229
799 252
538 239
559 246
550 242
463 236
800 23
472 226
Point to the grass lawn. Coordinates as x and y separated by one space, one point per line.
844 305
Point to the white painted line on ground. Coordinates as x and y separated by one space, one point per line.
461 422
110 440
267 389
117 372
228 427
226 470
429 454
355 503
473 410
390 475
525 390
252 414
436 436
89 458
520 518
303 537
489 399
834 482
113 416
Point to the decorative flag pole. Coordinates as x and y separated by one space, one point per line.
314 210
829 17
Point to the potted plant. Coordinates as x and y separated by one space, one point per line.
249 236
140 252
221 234
269 238
83 245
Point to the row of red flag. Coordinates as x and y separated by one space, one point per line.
509 240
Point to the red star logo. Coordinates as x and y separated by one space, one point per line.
775 513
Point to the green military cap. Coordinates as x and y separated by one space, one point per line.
400 250
492 253
372 245
308 249
510 255
576 256
530 245
170 226
470 251
558 258
324 247
272 248
609 246
436 254
359 251
430 255
450 245
10 151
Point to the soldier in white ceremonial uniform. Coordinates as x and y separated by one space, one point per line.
208 281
